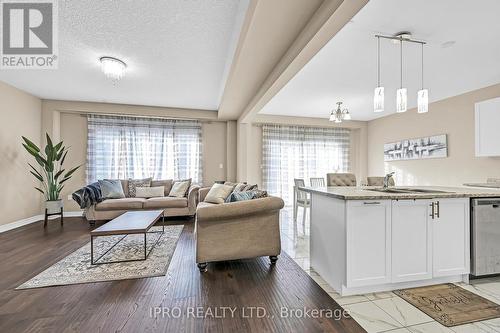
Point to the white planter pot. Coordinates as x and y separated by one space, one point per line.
53 206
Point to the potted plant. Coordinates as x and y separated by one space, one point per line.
52 176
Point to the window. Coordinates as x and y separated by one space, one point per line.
290 152
132 147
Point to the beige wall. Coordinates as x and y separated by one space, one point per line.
67 120
454 117
20 115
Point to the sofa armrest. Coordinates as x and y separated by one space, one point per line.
193 197
241 208
202 193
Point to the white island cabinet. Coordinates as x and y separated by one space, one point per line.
371 245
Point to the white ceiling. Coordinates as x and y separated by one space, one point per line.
178 52
345 69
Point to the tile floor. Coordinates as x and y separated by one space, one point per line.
382 312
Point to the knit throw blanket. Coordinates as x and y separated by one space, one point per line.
88 195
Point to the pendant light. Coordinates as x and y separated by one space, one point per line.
378 95
423 94
401 94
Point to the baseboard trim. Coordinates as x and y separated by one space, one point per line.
36 218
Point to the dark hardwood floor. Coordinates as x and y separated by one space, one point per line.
127 306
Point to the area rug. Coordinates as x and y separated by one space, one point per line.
449 304
76 268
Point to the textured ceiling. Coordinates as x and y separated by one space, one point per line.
345 69
178 52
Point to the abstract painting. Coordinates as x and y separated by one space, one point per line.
414 149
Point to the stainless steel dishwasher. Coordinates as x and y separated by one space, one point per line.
485 237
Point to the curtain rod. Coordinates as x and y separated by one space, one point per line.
312 126
85 113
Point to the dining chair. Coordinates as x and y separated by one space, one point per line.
379 181
340 179
301 199
317 182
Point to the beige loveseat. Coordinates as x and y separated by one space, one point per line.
111 208
237 230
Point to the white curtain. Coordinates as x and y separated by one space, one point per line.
132 147
290 152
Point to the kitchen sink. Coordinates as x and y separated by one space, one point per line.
407 190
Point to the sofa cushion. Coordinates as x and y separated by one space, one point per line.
133 183
205 204
166 202
117 204
167 183
125 187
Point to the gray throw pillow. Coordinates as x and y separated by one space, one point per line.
180 188
111 189
133 183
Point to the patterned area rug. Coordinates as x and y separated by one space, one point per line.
76 268
449 304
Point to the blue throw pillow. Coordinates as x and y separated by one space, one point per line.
245 195
111 189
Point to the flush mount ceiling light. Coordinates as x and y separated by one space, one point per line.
113 68
339 114
401 93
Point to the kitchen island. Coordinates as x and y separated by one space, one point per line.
367 239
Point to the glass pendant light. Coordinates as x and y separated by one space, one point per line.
378 95
401 95
423 94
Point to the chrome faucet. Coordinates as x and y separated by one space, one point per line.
387 178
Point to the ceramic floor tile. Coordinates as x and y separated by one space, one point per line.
402 311
380 295
432 327
398 330
345 300
472 328
371 317
492 324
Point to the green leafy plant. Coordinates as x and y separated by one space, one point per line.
51 160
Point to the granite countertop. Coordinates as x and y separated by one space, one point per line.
366 193
487 185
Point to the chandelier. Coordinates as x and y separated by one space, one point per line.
339 114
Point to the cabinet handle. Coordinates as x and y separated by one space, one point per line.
437 209
371 203
432 210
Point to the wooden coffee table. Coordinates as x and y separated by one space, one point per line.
132 222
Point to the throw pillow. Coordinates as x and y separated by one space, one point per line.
150 192
238 187
111 189
180 188
246 195
133 183
167 184
250 187
218 193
